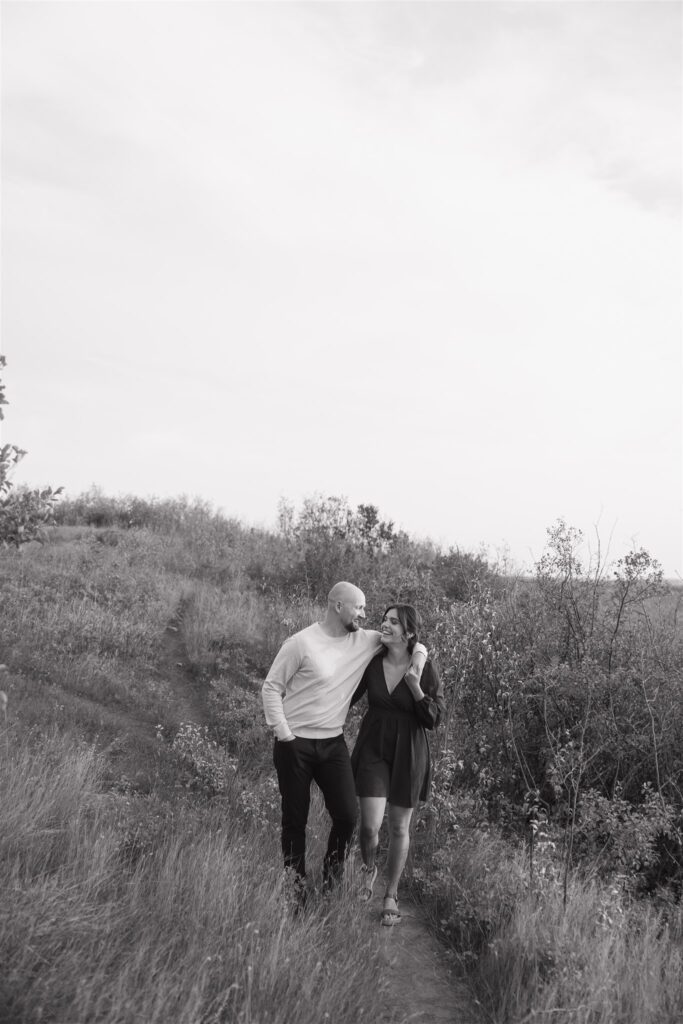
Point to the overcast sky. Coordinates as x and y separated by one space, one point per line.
423 255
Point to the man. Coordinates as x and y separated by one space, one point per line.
306 697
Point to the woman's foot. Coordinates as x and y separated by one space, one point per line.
368 877
390 912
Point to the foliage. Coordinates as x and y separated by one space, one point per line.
327 540
85 602
237 720
331 518
24 514
209 768
527 951
315 546
9 456
625 838
570 685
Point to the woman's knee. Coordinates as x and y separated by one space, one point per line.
399 832
369 831
399 825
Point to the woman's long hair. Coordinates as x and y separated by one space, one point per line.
410 620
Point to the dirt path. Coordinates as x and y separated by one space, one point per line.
421 988
134 754
185 696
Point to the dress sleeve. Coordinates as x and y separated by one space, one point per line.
431 709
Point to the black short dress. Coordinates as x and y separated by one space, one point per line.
391 755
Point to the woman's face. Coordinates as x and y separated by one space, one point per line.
392 630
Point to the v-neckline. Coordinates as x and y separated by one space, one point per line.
397 684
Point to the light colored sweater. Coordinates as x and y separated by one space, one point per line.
308 689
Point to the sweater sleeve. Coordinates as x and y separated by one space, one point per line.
287 662
431 709
360 689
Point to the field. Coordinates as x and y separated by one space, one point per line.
139 822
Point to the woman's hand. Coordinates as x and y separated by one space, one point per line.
412 678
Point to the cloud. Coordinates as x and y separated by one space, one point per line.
435 234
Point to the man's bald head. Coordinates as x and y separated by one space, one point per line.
345 592
345 608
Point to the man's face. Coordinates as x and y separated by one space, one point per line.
352 613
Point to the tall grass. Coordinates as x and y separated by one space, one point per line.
219 620
600 958
215 617
99 925
64 604
81 631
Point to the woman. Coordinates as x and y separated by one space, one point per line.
391 762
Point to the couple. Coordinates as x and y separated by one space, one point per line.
317 674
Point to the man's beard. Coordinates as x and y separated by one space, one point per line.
351 627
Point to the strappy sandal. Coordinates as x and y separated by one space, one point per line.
390 912
367 880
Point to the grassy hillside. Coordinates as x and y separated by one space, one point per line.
139 816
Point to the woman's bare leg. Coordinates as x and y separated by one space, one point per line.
399 842
371 817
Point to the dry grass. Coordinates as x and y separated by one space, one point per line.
604 958
597 961
102 923
213 616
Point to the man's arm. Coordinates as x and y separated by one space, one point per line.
419 658
418 662
273 690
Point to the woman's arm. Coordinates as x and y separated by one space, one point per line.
428 695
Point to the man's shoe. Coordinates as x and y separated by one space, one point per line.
328 887
296 894
332 878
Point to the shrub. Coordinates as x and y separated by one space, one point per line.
25 513
208 768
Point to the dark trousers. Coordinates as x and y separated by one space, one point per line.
327 763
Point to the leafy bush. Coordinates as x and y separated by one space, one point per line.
25 513
208 768
622 837
237 721
567 685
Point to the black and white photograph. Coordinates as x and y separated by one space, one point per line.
341 512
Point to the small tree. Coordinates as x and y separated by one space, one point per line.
23 513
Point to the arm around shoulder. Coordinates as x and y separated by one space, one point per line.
417 664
